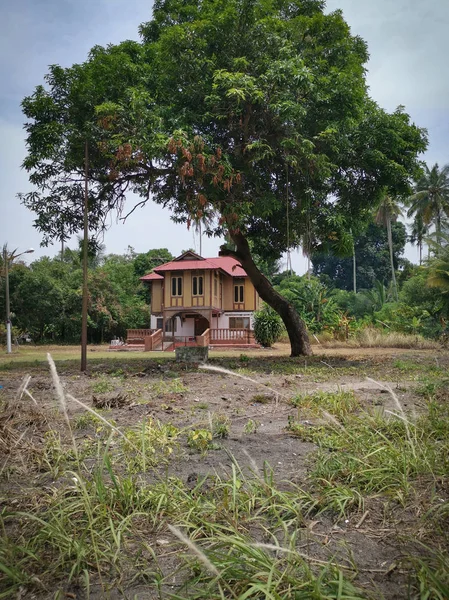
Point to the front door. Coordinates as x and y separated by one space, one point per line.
201 324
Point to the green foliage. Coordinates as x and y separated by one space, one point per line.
211 113
430 200
225 114
221 426
340 403
267 326
315 303
145 262
371 453
372 258
46 297
199 439
439 271
251 426
102 385
149 445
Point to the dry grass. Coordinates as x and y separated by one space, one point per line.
373 338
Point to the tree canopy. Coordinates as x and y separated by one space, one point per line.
372 258
251 115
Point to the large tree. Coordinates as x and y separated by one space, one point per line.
251 115
371 248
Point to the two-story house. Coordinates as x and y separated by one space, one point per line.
192 294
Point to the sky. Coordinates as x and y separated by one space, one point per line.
407 42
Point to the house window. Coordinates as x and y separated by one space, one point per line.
197 285
239 294
239 323
168 324
176 286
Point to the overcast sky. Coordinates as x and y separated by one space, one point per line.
407 41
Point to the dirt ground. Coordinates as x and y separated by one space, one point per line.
253 395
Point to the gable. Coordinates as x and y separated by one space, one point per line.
189 255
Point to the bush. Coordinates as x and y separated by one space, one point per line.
268 326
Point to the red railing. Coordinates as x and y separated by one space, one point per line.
231 336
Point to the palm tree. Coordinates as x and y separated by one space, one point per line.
388 212
418 231
377 296
431 197
439 268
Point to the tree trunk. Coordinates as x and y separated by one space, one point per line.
296 329
354 272
438 228
85 249
393 274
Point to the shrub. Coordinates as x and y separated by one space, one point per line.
268 326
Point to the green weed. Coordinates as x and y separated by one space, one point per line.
261 399
232 565
149 445
251 426
102 386
339 404
163 388
373 454
220 426
199 439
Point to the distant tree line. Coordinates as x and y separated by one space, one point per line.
46 296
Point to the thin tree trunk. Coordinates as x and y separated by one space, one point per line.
420 253
85 248
354 267
296 329
438 228
393 274
354 271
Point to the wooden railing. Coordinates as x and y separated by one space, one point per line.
203 339
153 341
137 336
231 336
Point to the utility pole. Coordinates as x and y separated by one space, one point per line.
85 249
8 316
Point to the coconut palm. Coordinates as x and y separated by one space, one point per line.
418 231
439 268
431 197
388 212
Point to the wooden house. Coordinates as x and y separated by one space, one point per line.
194 297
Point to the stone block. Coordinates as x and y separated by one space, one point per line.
192 354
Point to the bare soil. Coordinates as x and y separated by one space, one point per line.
259 390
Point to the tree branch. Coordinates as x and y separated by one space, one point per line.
142 203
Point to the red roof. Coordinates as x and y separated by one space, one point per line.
151 277
229 265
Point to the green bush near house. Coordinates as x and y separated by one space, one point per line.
268 326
